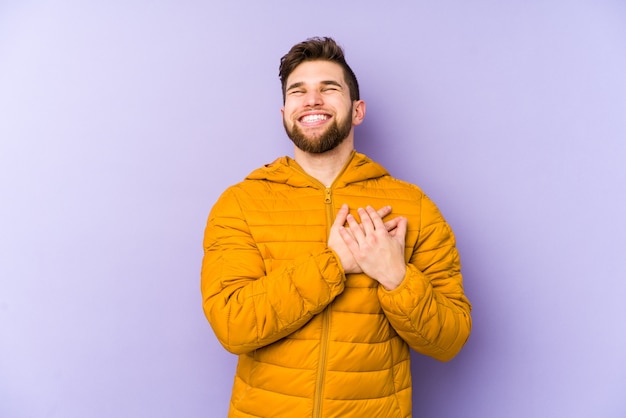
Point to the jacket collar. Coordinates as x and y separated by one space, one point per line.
287 171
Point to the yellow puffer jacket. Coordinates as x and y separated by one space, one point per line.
312 341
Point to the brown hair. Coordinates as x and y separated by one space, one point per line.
314 49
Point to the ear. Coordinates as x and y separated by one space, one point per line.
358 112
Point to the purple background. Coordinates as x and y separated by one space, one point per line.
122 121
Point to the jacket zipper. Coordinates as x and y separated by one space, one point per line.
321 371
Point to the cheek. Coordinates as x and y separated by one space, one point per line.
288 112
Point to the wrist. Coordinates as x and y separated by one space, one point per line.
393 280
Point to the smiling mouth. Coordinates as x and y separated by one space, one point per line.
314 118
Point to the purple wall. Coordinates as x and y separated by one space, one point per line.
122 121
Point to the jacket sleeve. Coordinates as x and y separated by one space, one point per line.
429 310
247 307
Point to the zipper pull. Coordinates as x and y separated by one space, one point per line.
327 198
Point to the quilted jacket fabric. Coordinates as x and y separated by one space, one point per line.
313 341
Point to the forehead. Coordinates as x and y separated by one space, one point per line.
313 72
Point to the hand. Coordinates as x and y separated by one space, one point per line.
338 244
377 250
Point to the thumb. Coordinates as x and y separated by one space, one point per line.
400 232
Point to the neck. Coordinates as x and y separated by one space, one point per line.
326 166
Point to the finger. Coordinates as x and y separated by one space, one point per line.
340 219
348 229
391 224
355 228
375 218
352 245
402 227
366 219
384 211
347 236
400 232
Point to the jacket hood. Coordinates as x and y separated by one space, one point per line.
286 170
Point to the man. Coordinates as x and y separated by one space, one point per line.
322 270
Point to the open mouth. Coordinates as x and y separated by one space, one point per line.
314 118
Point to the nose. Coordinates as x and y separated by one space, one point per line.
313 98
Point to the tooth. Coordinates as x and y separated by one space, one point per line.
314 118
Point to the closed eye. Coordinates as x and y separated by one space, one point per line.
331 85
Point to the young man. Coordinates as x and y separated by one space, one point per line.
321 271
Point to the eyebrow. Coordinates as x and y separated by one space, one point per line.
324 82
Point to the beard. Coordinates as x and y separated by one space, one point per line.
323 142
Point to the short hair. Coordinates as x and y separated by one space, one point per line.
317 49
